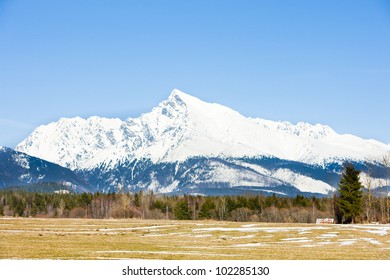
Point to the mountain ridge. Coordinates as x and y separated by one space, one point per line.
183 126
187 145
19 169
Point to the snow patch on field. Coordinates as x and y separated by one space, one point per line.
311 245
248 226
250 245
372 241
328 235
297 240
375 229
203 235
346 242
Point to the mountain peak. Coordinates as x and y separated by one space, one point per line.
184 98
178 93
184 126
186 142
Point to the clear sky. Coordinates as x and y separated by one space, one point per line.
323 61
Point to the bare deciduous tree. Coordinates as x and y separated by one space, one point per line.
222 208
386 163
367 181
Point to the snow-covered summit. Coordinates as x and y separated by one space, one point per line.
184 126
184 97
316 131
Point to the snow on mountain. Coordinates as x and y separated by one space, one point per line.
184 126
317 131
374 183
285 175
182 133
303 183
20 169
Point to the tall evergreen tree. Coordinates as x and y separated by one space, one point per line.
350 201
182 211
207 209
137 200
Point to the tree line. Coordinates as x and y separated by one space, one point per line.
148 205
352 203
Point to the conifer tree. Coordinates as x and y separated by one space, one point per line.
137 200
1 209
350 201
182 211
206 210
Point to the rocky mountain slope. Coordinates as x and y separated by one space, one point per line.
188 145
20 169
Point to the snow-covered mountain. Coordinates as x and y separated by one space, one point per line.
20 169
202 145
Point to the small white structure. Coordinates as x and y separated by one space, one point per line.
324 221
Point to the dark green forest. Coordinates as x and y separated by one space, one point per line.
147 205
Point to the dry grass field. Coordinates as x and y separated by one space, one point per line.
31 238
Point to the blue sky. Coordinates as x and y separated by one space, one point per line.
319 61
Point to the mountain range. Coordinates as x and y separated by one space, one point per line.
186 145
18 169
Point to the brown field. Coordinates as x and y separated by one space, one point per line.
31 238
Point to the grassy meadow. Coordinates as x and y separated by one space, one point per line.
34 238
